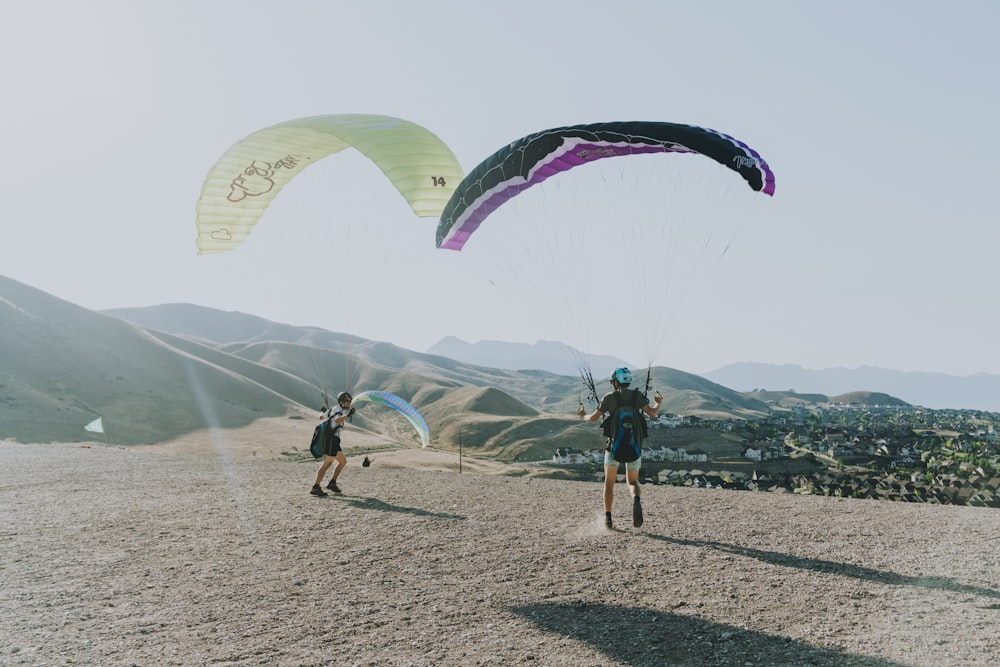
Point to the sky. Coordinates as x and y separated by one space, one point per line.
879 247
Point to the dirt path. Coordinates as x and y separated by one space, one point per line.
215 556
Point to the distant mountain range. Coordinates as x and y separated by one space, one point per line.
931 390
154 374
549 356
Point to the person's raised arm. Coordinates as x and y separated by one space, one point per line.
592 417
654 409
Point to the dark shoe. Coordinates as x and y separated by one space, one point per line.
636 512
607 521
333 486
316 491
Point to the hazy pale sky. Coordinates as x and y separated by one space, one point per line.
879 247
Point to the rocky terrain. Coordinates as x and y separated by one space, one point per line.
211 552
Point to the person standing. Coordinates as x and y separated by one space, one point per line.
332 451
622 395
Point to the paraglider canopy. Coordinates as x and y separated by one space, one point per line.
397 403
534 158
245 180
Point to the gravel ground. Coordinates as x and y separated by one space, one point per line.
114 556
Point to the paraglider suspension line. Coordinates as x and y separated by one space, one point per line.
588 381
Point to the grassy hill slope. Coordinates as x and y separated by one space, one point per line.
174 369
63 366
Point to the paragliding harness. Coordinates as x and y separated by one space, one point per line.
325 431
626 428
317 447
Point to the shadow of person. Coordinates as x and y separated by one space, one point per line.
652 638
382 506
834 567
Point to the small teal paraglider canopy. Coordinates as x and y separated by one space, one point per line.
397 403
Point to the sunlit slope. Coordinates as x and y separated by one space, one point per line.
63 366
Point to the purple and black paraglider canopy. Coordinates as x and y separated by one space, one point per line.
534 158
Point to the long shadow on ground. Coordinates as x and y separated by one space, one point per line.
650 638
833 567
382 506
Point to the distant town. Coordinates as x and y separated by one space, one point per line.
878 452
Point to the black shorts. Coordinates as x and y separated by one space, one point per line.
333 445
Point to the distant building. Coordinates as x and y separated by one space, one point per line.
568 456
695 455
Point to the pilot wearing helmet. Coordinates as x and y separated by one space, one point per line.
623 396
332 452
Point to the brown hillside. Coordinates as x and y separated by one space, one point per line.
65 366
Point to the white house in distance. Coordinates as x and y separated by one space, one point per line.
679 455
667 420
568 456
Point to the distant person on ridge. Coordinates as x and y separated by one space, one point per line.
331 445
622 397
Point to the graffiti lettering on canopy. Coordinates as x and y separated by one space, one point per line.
257 179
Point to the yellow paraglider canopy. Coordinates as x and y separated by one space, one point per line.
241 185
